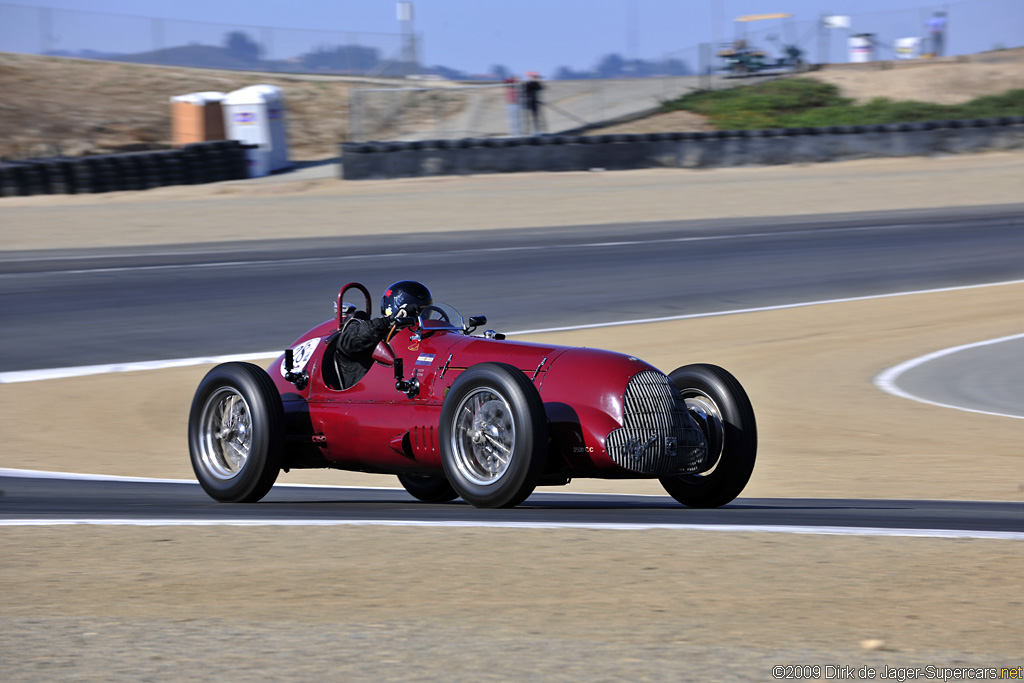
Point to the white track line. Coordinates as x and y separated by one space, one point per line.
886 381
78 476
81 371
735 528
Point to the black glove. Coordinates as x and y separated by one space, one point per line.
403 317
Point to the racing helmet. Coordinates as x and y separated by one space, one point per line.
409 295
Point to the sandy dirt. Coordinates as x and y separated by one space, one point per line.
375 604
825 430
118 603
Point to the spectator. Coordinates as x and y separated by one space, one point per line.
532 103
512 106
937 30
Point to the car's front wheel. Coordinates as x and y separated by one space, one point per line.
720 407
236 433
493 435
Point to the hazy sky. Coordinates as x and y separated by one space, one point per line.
473 35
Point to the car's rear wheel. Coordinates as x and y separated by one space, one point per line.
493 435
718 405
236 433
428 488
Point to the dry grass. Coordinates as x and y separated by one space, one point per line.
74 107
54 105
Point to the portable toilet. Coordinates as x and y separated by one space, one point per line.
862 47
907 48
197 117
255 116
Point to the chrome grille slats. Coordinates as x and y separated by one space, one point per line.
657 436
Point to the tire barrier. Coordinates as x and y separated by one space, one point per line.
201 162
378 160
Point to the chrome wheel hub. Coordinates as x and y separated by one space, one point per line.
483 437
708 418
225 434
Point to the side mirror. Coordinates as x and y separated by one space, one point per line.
299 379
384 355
409 387
477 320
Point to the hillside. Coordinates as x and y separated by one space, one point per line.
54 105
945 81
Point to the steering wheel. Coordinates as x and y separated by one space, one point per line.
341 300
443 315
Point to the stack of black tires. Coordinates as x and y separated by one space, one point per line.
201 162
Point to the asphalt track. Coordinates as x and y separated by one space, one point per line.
73 308
91 307
982 377
29 500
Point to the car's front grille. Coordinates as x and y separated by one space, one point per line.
657 437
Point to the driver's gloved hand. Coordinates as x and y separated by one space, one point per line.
402 318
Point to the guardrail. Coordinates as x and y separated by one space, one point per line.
201 162
676 150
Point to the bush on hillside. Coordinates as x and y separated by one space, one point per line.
797 102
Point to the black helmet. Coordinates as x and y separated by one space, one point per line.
406 295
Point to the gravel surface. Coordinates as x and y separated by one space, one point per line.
429 604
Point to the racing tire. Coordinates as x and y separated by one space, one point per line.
428 488
236 433
493 436
720 407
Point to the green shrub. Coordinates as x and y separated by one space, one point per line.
797 102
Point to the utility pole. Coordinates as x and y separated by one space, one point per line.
46 30
823 46
408 38
632 41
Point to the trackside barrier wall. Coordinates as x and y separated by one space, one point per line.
677 150
204 162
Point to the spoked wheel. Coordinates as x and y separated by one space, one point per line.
719 406
235 433
428 488
493 435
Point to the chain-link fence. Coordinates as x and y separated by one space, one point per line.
445 111
169 42
153 40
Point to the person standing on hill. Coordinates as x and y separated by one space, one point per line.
532 103
937 30
512 106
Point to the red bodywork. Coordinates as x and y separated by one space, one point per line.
373 427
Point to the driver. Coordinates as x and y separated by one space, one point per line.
400 306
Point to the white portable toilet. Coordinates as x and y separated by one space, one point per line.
907 48
862 47
255 116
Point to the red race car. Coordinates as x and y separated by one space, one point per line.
456 414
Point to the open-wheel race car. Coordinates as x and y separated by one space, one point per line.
457 414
